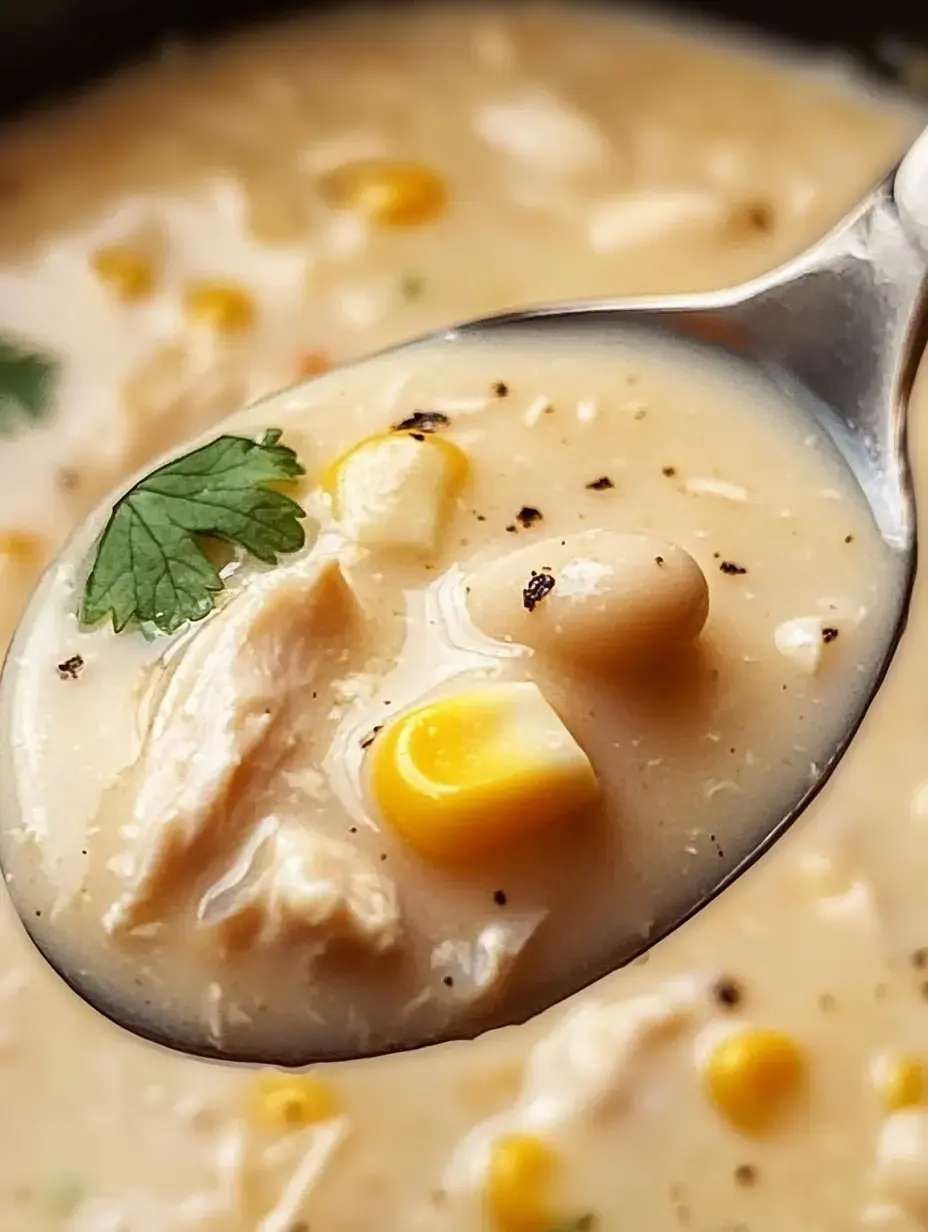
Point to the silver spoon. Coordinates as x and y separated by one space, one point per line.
845 324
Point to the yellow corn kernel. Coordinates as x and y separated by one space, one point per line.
396 489
22 547
222 306
900 1081
518 1180
284 1102
391 194
752 1075
127 273
469 774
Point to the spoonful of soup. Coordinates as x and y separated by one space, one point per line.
421 695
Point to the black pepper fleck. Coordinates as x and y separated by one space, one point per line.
71 668
668 471
68 479
367 741
499 897
919 959
829 633
752 218
728 993
500 389
733 570
528 515
448 981
602 484
746 1174
538 585
848 538
658 560
417 436
512 528
422 421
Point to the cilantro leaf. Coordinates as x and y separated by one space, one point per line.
150 566
27 383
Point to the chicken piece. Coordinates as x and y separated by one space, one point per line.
292 885
223 727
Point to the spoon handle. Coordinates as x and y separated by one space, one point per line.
848 318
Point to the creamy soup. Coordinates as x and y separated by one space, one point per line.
476 738
213 227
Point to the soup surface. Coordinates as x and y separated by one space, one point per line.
222 222
298 829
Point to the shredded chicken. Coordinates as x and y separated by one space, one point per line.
292 885
224 727
589 1058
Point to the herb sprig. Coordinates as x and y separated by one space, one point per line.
28 378
150 565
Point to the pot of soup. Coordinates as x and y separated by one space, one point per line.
198 209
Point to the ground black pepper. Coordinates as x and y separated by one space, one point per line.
829 633
368 740
759 216
422 421
68 479
733 570
71 668
500 389
603 484
746 1174
728 993
668 471
499 897
538 585
528 515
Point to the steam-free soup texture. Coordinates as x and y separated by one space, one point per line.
226 222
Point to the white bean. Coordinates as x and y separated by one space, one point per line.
614 597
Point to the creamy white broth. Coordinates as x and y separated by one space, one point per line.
142 874
99 1129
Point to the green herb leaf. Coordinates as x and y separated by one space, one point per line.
150 566
27 384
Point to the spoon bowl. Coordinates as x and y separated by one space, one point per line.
840 330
